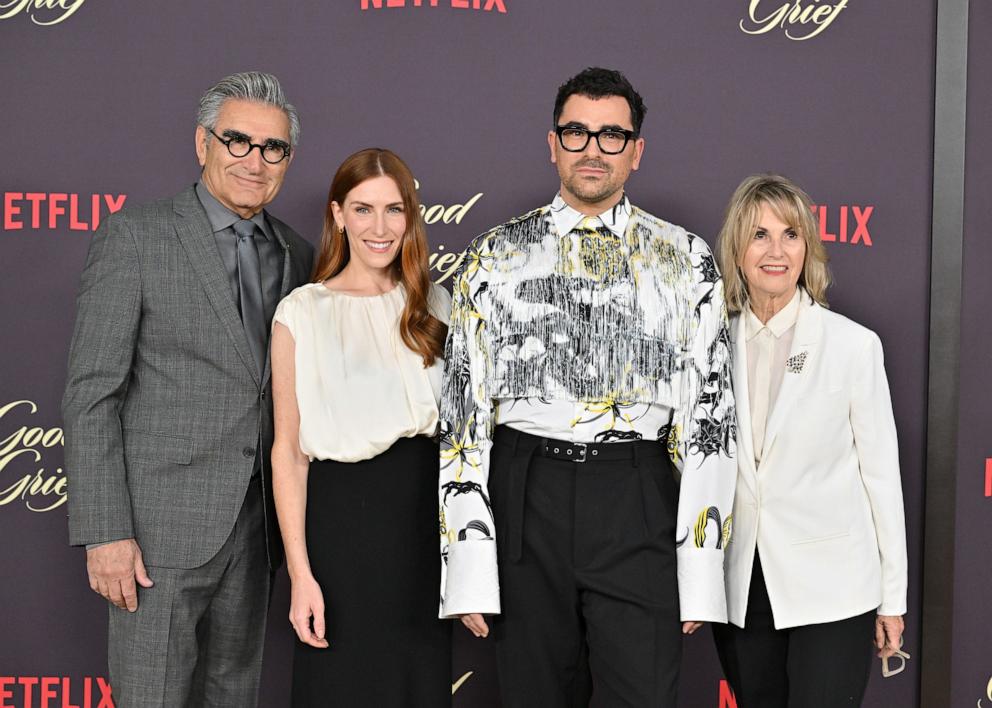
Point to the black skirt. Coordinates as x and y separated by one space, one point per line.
372 537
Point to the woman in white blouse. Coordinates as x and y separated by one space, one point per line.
816 565
356 373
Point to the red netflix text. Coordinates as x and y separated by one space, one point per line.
988 486
485 5
58 210
727 699
54 692
847 223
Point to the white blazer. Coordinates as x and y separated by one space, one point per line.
824 508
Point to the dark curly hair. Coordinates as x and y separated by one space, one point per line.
596 82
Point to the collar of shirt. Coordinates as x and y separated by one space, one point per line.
566 218
220 217
781 321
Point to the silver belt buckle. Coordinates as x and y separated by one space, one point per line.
579 450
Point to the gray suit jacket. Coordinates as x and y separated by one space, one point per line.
164 404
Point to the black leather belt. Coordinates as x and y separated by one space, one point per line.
586 452
571 451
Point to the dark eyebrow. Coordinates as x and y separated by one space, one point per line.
238 135
366 204
578 124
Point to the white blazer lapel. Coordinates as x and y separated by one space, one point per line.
801 361
745 446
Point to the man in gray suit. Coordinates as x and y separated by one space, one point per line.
168 411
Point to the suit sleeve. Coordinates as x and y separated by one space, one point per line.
702 441
469 581
100 357
878 458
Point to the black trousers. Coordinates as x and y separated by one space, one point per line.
372 540
587 575
813 666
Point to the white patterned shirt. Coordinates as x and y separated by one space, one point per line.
593 317
586 421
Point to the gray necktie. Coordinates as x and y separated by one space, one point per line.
250 291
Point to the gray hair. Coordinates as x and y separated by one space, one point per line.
247 86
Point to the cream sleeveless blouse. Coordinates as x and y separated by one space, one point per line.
358 387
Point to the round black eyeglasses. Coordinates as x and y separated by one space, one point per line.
273 151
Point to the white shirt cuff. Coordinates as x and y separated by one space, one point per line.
471 581
702 595
892 609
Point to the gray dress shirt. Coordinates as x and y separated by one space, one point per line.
270 253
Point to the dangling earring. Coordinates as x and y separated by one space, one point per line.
341 229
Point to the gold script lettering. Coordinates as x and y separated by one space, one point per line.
788 15
48 487
453 213
12 7
458 684
446 264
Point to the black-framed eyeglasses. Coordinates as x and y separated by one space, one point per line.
239 145
575 138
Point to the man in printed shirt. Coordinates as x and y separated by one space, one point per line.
588 424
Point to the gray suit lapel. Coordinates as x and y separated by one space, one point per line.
196 236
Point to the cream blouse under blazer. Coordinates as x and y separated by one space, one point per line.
824 506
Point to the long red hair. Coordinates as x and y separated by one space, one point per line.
421 331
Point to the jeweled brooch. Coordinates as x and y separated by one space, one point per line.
794 364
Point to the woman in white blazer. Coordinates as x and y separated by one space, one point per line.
816 566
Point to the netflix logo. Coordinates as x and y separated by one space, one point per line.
726 698
54 692
847 223
57 210
481 5
988 485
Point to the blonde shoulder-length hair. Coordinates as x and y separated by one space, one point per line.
790 204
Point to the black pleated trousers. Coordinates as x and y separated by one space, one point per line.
590 611
372 538
812 666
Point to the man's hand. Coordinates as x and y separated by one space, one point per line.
476 624
690 627
113 569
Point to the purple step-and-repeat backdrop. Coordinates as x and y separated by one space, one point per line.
99 99
971 660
